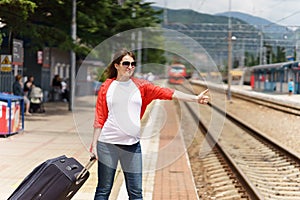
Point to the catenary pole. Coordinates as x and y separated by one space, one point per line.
73 58
229 54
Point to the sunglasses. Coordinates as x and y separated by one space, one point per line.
127 64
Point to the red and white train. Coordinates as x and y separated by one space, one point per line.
176 73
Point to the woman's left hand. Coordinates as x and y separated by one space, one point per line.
202 97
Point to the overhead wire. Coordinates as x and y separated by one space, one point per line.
294 13
283 18
201 4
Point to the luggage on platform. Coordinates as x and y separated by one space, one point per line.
55 179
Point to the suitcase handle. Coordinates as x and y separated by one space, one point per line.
86 168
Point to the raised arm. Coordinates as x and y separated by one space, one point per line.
202 98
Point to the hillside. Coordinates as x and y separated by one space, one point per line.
254 20
186 16
272 29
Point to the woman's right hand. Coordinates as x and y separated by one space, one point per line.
93 150
93 147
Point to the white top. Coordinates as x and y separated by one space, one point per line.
124 104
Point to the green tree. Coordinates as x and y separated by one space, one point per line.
281 57
269 54
250 59
13 19
47 23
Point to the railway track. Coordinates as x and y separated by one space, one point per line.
243 163
279 106
262 101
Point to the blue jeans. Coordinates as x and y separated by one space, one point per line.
130 157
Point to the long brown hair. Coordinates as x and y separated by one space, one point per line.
18 77
111 71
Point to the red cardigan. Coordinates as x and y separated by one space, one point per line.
148 92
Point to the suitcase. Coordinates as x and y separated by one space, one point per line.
55 179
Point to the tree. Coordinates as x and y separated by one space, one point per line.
269 54
281 57
250 59
47 23
13 18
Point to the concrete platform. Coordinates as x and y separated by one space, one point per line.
167 173
293 99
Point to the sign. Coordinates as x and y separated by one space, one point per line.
18 52
6 64
39 57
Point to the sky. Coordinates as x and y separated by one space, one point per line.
283 12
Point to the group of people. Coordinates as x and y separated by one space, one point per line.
23 89
28 89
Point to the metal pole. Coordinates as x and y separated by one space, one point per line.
139 53
229 54
165 13
73 58
261 49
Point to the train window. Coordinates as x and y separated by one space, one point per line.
177 69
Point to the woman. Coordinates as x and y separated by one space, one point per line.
18 91
28 86
121 103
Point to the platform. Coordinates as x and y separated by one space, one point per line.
54 133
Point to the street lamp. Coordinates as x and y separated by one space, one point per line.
73 58
261 47
229 54
229 77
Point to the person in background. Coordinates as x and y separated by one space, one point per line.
291 87
56 82
56 92
121 103
19 91
64 90
28 86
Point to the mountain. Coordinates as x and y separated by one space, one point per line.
187 16
272 29
250 19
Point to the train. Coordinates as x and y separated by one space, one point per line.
241 76
177 73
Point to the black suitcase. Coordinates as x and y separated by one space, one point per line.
55 179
